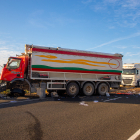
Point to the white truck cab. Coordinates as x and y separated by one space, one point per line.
131 74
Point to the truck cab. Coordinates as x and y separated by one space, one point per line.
131 74
14 70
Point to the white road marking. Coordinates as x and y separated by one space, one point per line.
111 99
134 136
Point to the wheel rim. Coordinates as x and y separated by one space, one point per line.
72 89
103 88
88 89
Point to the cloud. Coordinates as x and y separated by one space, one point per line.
86 1
37 23
128 60
2 42
122 47
5 54
9 48
132 54
131 4
116 40
112 27
124 13
136 47
4 48
36 19
37 13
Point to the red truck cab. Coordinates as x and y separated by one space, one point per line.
15 68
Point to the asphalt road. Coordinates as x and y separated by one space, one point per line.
97 118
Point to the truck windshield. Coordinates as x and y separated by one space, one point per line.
13 63
129 71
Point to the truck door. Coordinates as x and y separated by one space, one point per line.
13 69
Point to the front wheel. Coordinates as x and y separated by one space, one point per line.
17 92
72 89
103 89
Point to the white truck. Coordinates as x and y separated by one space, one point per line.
58 69
131 74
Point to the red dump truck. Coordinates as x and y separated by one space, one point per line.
61 70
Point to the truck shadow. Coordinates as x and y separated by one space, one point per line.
113 98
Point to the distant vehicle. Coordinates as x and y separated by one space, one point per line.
131 74
60 70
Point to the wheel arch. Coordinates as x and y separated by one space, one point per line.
17 79
73 81
21 79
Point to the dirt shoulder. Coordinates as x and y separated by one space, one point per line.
125 90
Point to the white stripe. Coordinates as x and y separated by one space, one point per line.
134 136
112 99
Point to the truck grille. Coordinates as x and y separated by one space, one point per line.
127 81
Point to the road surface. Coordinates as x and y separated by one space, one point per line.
116 117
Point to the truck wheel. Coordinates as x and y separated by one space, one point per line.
17 92
72 89
138 84
103 88
88 89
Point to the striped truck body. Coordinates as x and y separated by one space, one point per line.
67 64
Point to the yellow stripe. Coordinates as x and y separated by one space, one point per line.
73 61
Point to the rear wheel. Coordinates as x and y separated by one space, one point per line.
88 89
103 89
72 89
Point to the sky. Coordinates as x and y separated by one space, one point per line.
107 26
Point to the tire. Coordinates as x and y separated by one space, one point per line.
17 92
72 89
88 89
103 88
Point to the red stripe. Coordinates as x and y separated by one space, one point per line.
75 53
75 71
